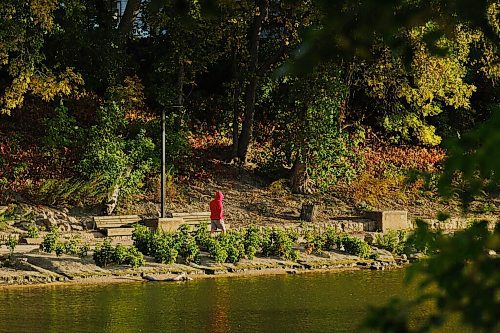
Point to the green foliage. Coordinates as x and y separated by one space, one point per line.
233 243
104 254
277 242
59 250
11 244
315 241
120 254
355 246
474 160
61 130
33 231
331 239
461 277
134 257
120 158
422 239
186 244
83 250
393 241
202 236
217 251
311 133
72 191
50 241
164 247
142 238
252 241
72 246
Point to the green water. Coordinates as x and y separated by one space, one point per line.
329 302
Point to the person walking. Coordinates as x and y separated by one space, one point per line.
217 213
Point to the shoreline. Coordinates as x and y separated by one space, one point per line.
135 276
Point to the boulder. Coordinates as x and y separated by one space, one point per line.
50 222
72 220
64 227
76 227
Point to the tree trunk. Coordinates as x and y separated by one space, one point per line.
235 105
308 212
261 9
300 181
247 126
180 94
112 200
127 20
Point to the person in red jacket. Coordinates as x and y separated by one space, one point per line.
217 213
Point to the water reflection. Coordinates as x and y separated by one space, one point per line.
334 302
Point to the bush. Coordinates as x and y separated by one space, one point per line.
331 239
217 251
202 236
276 242
50 241
122 158
186 244
233 243
33 231
315 242
142 238
134 257
104 254
11 243
72 246
252 241
163 247
393 241
355 246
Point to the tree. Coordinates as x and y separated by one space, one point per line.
23 30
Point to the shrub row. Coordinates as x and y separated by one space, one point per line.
52 243
317 242
244 243
106 254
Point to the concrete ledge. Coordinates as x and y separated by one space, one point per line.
389 219
167 224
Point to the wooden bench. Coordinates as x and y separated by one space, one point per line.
171 224
113 226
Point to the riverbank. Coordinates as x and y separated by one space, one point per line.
37 268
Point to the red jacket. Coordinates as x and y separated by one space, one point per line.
216 209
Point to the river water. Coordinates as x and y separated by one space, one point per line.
318 302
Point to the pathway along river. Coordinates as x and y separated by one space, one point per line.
318 302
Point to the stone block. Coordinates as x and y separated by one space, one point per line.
167 224
389 219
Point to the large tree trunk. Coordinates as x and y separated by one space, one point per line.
261 9
180 92
127 20
300 181
235 104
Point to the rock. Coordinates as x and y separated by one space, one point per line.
64 227
76 227
50 222
88 224
22 225
369 238
492 253
404 257
72 220
61 215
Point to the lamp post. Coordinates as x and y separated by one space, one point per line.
162 210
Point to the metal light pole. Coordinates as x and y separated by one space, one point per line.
162 210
